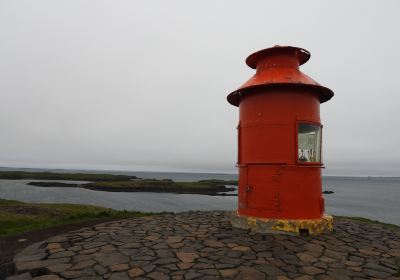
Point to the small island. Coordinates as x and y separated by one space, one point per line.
123 183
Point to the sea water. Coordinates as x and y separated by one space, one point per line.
369 197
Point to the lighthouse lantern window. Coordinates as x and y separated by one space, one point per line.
309 143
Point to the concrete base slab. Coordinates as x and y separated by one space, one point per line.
291 227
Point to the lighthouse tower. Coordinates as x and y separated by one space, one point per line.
280 145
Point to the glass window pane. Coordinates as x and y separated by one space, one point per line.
309 143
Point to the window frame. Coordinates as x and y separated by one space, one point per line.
239 144
298 122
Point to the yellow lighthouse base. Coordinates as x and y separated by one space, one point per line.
291 227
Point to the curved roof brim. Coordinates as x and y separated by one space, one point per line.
324 93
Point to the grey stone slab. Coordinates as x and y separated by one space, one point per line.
23 276
203 245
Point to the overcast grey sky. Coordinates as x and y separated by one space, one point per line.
142 85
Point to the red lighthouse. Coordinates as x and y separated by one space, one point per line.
280 143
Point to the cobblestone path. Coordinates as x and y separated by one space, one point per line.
203 245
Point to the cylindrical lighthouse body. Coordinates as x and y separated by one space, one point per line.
272 183
279 138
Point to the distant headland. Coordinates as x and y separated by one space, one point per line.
122 183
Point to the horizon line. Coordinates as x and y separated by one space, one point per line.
188 172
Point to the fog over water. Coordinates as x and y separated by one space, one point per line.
142 85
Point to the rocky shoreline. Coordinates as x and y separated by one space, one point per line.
203 245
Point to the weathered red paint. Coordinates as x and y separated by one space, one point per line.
273 183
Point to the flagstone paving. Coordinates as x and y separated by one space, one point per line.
203 245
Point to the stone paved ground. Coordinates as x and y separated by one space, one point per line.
203 245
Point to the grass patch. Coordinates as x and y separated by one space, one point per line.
19 175
17 217
369 221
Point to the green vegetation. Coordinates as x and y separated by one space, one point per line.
210 187
19 175
53 184
17 217
369 221
121 183
166 185
221 182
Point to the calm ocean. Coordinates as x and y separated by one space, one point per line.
370 197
